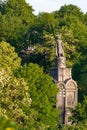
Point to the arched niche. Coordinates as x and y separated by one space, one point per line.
71 94
71 84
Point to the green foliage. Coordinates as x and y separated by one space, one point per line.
47 22
73 32
44 22
80 126
15 92
20 84
69 22
15 17
80 74
85 18
8 57
15 99
80 113
69 10
44 53
42 92
6 124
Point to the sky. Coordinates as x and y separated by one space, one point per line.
53 5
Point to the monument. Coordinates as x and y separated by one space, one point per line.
67 96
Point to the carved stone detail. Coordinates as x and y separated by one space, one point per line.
70 99
71 85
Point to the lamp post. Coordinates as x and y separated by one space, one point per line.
64 96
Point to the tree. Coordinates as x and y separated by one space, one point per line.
6 124
68 22
47 22
18 85
85 18
44 53
69 10
80 113
44 22
16 17
14 99
8 57
42 92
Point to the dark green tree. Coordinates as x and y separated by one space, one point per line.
69 10
43 93
44 54
15 17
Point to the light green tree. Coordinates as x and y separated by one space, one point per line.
6 124
8 57
15 99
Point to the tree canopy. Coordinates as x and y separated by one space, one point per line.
42 92
8 57
15 17
27 93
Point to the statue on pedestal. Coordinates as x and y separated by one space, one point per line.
60 53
